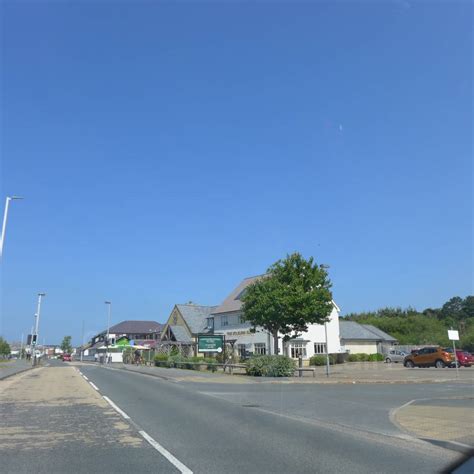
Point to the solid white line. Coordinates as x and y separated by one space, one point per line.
178 464
115 407
85 377
94 386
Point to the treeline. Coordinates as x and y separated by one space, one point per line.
430 326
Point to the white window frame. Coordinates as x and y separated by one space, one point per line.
298 349
260 348
224 321
320 348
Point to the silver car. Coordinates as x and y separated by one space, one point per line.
394 355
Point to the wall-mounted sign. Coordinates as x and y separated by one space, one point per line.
210 343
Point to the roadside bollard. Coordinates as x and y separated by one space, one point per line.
300 364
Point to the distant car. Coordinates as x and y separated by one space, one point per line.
395 355
67 358
464 358
429 357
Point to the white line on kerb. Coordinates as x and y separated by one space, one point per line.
85 377
94 386
115 407
178 464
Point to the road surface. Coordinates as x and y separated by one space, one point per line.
146 423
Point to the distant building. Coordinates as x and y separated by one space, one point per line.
363 338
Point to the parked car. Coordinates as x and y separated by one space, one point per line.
464 358
395 355
67 358
429 357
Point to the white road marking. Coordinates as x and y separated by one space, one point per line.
94 386
85 377
115 407
178 464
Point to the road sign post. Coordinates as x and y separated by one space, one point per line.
454 336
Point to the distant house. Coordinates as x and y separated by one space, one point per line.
143 333
363 338
186 321
228 320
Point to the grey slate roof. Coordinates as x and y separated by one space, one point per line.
383 335
136 327
180 334
366 332
195 316
232 302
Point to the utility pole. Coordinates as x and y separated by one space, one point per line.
5 218
37 318
327 349
109 304
82 347
21 345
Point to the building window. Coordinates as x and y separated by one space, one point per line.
210 323
241 350
319 348
224 321
260 348
298 349
240 319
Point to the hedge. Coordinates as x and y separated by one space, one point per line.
321 359
271 366
361 357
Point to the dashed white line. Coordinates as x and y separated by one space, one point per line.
85 377
164 452
115 407
94 386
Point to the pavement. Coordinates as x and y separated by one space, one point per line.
13 366
69 418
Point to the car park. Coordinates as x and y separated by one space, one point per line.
394 355
430 357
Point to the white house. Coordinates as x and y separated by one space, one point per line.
227 320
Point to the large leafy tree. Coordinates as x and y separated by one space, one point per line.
66 345
294 293
4 347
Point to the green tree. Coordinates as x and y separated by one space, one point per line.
294 293
66 345
4 348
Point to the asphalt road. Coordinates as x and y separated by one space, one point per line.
272 429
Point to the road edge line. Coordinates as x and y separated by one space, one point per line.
115 407
164 452
94 386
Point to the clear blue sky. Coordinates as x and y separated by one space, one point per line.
166 150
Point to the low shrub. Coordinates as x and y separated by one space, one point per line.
271 366
317 360
376 357
161 360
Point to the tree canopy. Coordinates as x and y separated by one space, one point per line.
294 293
4 347
66 345
430 326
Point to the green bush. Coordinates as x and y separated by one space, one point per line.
176 361
317 360
376 357
161 360
271 366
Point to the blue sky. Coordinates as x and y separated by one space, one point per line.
166 150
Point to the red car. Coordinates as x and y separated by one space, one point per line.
67 358
464 358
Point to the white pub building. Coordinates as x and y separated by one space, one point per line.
227 320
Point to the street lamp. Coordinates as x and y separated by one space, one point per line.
37 318
5 217
109 304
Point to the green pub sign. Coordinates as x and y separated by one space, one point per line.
210 343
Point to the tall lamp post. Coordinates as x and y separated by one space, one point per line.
109 304
5 217
36 330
